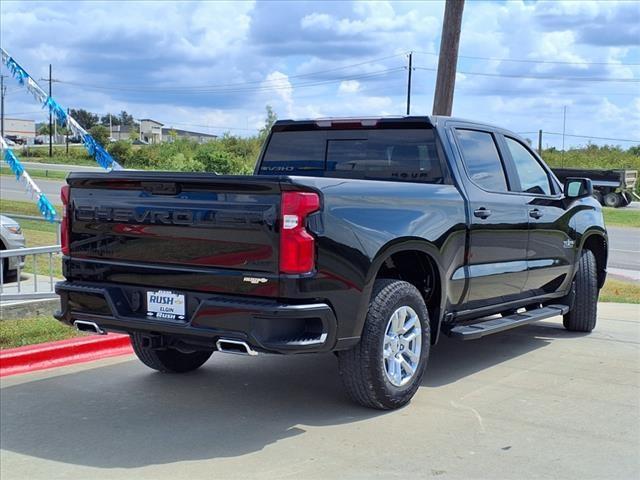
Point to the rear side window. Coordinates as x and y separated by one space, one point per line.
533 178
482 159
392 154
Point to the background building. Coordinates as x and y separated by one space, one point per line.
152 131
20 128
168 134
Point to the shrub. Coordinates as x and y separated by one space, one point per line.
121 151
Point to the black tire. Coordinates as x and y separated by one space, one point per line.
613 200
598 196
626 199
583 314
362 367
4 265
168 360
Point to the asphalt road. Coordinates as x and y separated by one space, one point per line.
535 402
624 248
12 190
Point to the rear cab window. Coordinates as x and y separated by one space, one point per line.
401 154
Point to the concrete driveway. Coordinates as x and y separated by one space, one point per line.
535 402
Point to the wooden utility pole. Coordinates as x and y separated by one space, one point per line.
540 142
3 91
409 83
448 59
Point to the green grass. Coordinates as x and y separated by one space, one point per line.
53 174
22 207
621 217
18 333
620 292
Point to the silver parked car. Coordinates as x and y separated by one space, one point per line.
11 237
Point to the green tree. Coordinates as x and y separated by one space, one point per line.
43 129
268 123
134 134
100 133
115 119
126 119
84 118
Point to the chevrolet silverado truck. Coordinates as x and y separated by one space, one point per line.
369 238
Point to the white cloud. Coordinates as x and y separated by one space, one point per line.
234 51
349 86
279 85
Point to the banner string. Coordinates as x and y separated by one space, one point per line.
96 150
44 205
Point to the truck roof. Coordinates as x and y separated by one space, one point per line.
415 121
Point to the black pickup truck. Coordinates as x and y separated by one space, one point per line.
365 237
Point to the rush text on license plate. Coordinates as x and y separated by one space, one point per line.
166 304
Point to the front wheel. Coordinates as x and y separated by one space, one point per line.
583 313
385 369
168 360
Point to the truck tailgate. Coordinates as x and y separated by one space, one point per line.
185 220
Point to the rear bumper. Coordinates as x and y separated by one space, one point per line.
266 325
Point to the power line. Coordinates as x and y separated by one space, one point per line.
543 77
260 83
520 60
593 137
582 136
260 88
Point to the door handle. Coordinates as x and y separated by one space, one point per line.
535 213
482 212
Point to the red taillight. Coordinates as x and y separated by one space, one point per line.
297 246
64 226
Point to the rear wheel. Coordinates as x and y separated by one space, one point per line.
168 360
613 200
385 369
583 313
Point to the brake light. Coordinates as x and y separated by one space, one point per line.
64 225
297 246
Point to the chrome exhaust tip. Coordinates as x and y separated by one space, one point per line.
90 327
236 347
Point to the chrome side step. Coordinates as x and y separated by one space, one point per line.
478 330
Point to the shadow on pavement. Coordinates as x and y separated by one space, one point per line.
124 415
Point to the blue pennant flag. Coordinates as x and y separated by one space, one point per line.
57 110
14 164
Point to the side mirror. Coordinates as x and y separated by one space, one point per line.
577 187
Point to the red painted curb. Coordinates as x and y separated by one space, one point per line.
31 358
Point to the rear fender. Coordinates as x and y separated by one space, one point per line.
395 246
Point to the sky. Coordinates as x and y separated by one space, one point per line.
214 66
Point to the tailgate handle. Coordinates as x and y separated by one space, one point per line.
161 188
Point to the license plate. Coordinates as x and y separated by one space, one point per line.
166 304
